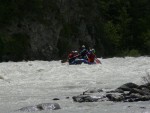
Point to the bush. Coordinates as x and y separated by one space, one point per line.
134 53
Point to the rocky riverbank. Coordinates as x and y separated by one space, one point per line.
128 92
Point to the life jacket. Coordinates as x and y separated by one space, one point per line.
70 55
83 53
73 55
91 57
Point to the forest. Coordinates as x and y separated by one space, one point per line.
49 29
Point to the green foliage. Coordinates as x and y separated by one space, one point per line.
146 37
131 53
134 53
118 27
112 34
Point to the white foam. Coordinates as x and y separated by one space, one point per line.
36 82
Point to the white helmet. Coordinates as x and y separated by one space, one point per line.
83 46
93 50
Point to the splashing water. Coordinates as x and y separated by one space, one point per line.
34 82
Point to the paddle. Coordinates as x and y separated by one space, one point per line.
97 61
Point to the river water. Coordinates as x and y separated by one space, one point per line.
34 82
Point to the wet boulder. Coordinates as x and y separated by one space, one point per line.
139 91
93 91
85 98
114 97
49 106
128 92
145 86
115 91
128 86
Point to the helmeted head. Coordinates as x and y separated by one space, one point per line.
93 51
75 51
83 46
72 51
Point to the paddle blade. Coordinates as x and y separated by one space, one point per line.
97 61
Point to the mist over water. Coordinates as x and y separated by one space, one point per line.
34 82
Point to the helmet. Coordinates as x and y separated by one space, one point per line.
83 46
72 51
93 50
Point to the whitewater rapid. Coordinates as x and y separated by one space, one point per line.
29 83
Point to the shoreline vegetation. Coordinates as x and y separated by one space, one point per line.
49 30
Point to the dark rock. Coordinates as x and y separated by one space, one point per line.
110 97
141 92
124 88
131 85
144 86
93 91
85 98
48 106
145 89
145 98
78 98
147 84
129 106
128 92
56 99
113 97
132 98
128 86
135 95
67 97
143 107
119 91
116 91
